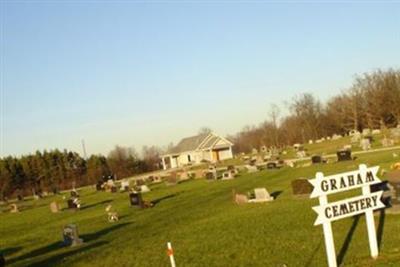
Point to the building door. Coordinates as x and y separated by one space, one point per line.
215 155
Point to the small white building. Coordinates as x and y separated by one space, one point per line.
195 149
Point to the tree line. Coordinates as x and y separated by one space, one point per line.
373 101
52 171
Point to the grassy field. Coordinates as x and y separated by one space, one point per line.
205 227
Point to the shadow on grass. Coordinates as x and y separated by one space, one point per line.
347 241
381 224
54 260
276 194
95 235
96 204
158 200
313 254
57 245
9 251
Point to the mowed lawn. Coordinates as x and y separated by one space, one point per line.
204 225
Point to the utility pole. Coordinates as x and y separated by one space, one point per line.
84 149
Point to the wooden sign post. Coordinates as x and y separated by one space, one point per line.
365 203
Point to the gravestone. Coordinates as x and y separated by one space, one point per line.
347 147
354 132
136 199
198 173
251 169
14 208
99 186
73 203
227 175
298 147
376 131
54 207
343 155
124 186
231 168
113 216
267 157
365 144
74 193
394 182
210 175
144 189
366 132
140 182
387 142
301 187
241 199
301 154
172 179
261 195
183 175
395 133
315 159
71 236
110 184
272 165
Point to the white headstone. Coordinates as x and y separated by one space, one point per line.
261 195
144 189
365 144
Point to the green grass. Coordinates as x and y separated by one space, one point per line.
205 227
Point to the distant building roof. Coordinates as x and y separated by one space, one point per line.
197 142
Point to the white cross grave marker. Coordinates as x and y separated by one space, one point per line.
366 203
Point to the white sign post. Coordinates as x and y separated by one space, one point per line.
366 203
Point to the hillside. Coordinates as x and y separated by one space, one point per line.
204 225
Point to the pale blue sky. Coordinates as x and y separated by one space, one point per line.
135 73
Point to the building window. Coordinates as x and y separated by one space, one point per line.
189 159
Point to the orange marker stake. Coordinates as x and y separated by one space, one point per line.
170 253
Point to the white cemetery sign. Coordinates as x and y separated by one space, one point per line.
366 203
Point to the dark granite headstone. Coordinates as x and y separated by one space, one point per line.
210 176
272 165
231 168
73 203
382 186
99 186
343 155
301 187
136 199
394 181
315 159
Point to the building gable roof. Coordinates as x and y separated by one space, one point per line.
197 142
